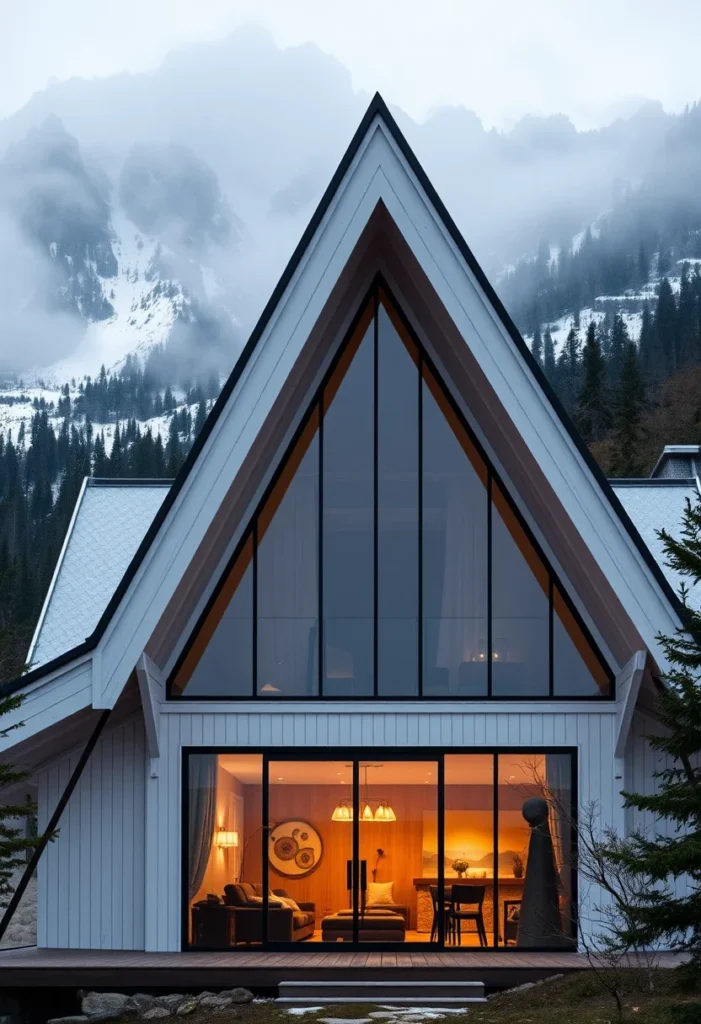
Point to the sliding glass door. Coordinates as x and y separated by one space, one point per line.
471 849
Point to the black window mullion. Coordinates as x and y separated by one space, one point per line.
551 639
265 839
496 921
375 491
441 851
320 556
254 617
421 531
355 852
489 581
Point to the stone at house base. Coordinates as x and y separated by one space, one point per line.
141 1002
76 1019
186 1008
238 995
215 1002
172 1002
95 1004
156 1013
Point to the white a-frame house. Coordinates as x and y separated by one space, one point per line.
351 678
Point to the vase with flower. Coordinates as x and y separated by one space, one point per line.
460 867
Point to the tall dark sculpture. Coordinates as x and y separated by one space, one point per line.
540 922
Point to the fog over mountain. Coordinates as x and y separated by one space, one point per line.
193 183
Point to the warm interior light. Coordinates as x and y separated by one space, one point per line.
342 812
385 812
269 688
225 838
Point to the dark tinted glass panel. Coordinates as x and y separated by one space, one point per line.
348 525
221 659
535 836
520 609
288 588
397 514
577 670
454 525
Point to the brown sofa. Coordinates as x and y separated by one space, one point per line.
284 924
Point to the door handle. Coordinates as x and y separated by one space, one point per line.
363 875
349 875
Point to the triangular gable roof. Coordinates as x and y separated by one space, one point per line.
376 110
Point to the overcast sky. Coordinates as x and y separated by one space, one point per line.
591 59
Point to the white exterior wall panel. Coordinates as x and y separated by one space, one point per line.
641 765
91 878
590 731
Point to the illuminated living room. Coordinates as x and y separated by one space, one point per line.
349 850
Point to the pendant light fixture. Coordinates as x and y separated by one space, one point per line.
383 812
343 811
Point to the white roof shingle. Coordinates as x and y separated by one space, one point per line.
652 505
109 523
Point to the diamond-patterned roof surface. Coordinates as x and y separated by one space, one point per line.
111 523
653 506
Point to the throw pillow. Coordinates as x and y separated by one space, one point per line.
287 901
379 894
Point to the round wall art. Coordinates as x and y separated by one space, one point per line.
295 848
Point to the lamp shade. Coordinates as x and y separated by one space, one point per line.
385 812
343 811
224 838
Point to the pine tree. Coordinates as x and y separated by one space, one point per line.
15 838
116 463
200 417
666 325
664 915
537 347
627 415
100 468
173 450
593 413
568 372
643 266
617 347
549 356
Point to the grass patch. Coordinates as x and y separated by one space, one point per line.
575 999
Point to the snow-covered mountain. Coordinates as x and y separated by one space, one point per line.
158 209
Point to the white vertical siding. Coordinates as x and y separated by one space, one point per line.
590 732
642 763
91 879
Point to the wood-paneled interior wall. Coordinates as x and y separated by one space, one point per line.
402 840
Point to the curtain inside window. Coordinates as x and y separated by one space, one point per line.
458 641
201 815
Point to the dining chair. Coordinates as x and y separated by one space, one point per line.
447 908
466 905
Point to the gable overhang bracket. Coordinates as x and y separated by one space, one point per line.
627 689
152 692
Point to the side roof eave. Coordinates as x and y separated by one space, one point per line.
384 172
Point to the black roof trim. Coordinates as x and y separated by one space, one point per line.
377 108
646 481
125 481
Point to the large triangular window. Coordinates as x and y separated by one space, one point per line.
387 559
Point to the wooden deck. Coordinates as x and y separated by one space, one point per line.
123 969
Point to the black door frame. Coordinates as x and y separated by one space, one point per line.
355 755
